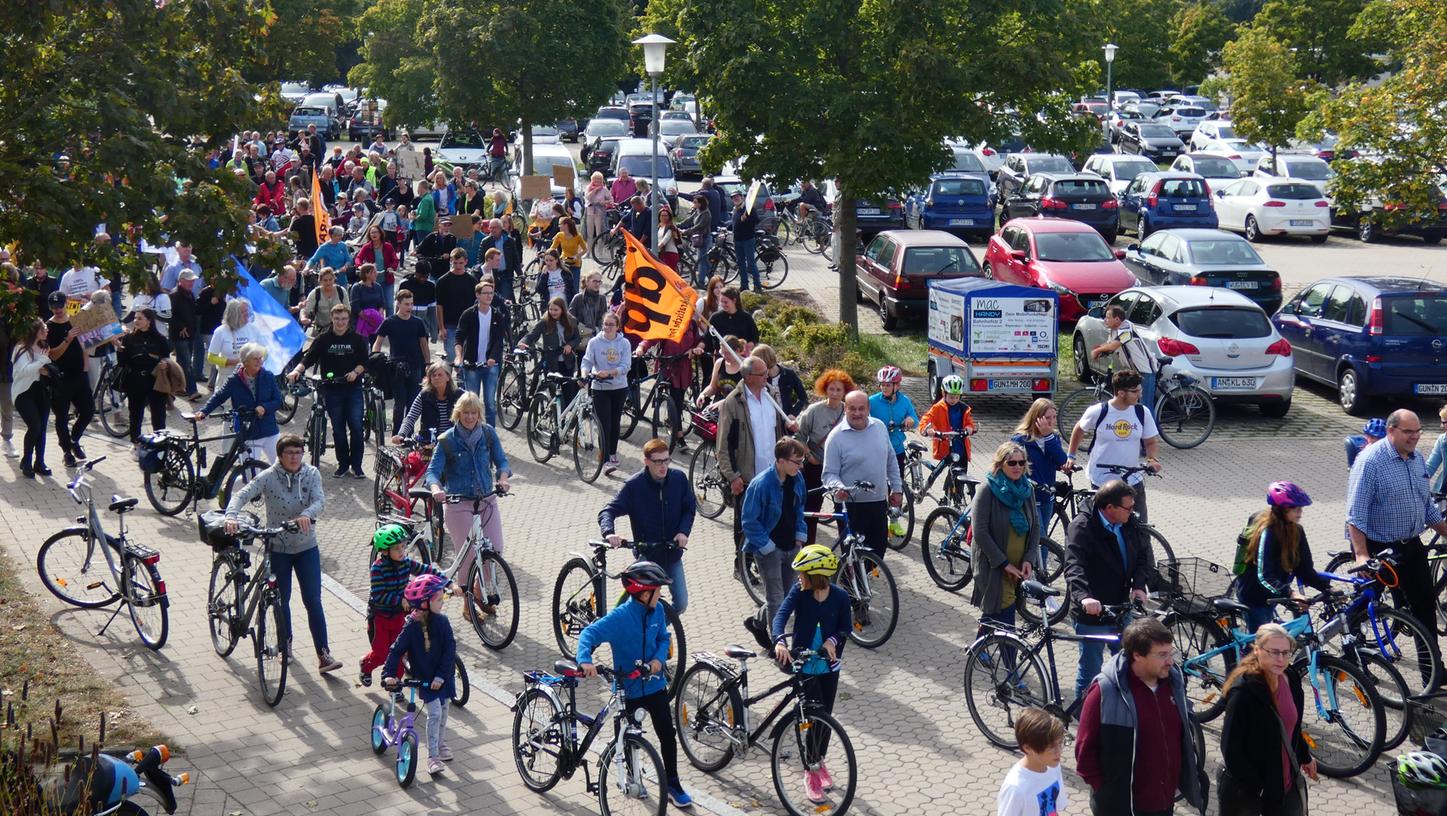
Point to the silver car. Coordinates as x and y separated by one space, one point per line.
1215 335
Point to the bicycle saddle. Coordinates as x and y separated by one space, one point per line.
739 653
915 446
566 668
1037 590
419 493
1227 606
963 477
121 505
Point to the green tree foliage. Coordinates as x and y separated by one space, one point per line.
395 67
302 40
1328 49
1198 33
1400 125
1142 31
1268 100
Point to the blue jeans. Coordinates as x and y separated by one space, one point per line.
449 340
504 280
483 382
308 567
389 293
1005 616
403 393
198 357
185 355
1092 653
344 411
678 590
745 255
429 319
701 279
1148 391
1257 616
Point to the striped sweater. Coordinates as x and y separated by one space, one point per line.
389 578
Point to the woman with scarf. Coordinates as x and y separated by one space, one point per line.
1006 527
432 407
815 423
253 393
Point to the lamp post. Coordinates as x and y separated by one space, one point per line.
654 46
1110 49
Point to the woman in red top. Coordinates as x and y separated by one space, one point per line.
380 252
677 373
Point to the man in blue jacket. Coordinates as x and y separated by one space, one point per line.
637 632
660 506
772 519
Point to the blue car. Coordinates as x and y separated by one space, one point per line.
1155 201
1370 337
958 203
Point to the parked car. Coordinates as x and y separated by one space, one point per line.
1117 121
1162 200
1370 336
1154 141
542 135
1205 257
1324 148
545 158
605 127
1126 97
638 157
1183 119
1096 108
957 203
688 103
1067 257
1371 225
669 128
303 115
1257 208
368 121
597 154
1216 170
1209 131
1118 170
683 152
1019 167
870 215
1080 197
970 161
674 115
462 148
568 129
1145 110
895 268
640 115
611 112
294 92
1309 169
1243 153
1218 337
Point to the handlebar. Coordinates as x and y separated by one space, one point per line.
265 532
1130 470
458 498
85 467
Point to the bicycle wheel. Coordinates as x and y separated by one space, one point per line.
537 741
443 552
172 487
379 737
542 429
999 686
239 477
632 412
1052 556
903 518
946 548
316 437
575 604
633 783
1393 691
707 713
598 249
1160 548
753 582
588 447
1194 636
708 486
378 429
146 601
223 605
1073 406
802 746
406 768
110 404
493 595
1185 416
271 650
461 686
1406 643
772 273
287 412
511 396
1346 729
677 647
74 569
815 239
874 598
784 232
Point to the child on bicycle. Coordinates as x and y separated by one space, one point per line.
949 414
431 651
822 622
386 608
637 631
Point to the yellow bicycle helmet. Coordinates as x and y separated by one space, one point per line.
816 559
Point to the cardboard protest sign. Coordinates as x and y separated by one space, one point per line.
535 187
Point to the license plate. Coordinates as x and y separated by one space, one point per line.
867 211
1240 284
1302 222
962 222
1082 206
1025 384
1430 388
1185 208
1233 383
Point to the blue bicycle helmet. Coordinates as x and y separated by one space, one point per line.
1375 427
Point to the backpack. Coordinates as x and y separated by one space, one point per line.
1140 417
1239 566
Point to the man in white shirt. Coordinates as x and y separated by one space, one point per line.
80 282
1133 349
1123 429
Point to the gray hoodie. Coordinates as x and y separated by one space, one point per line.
287 496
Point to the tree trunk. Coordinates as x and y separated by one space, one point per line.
848 247
527 167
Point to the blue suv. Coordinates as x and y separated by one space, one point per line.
958 203
1370 337
1155 201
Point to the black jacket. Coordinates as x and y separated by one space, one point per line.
512 251
541 288
183 315
1093 568
792 392
467 331
740 324
1249 588
554 360
140 353
1251 746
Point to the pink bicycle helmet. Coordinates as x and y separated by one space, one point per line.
422 587
1286 494
889 374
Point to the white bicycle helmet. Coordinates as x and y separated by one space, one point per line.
953 384
1421 769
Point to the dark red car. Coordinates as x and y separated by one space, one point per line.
1065 256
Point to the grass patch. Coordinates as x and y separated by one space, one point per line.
34 651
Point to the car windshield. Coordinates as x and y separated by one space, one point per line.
960 187
607 127
611 113
638 165
1183 188
939 260
1147 109
465 139
1223 322
1191 112
967 162
694 142
1157 132
1225 132
1311 171
676 127
1223 252
1416 316
1293 192
322 100
1075 187
1214 167
1072 246
1050 164
308 112
1127 170
544 130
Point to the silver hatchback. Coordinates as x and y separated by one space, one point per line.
1215 335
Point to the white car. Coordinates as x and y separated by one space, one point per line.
1210 131
1217 170
464 148
542 135
1122 97
1118 169
1260 207
1183 119
1295 167
669 128
1243 153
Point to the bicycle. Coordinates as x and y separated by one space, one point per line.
546 747
715 726
177 481
315 435
374 412
580 597
876 611
710 491
769 258
1084 502
1184 412
240 604
1399 636
657 404
549 423
490 591
69 565
110 399
515 384
917 484
392 731
397 492
103 785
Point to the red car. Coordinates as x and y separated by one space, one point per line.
1066 256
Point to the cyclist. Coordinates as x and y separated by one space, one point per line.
431 651
497 155
1129 427
822 619
252 390
858 450
408 351
637 632
1374 430
1036 434
811 200
893 408
390 573
432 407
341 357
660 506
773 526
951 413
1272 551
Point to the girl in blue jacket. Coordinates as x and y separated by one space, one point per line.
431 651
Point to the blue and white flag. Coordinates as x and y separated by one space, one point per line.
280 333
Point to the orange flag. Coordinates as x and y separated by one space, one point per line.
657 304
319 209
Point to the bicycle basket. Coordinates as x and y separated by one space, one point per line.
212 526
152 445
1195 581
1428 713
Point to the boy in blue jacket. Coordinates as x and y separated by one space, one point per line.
431 651
772 519
660 506
637 632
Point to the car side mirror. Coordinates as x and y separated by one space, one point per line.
1220 193
1018 254
1132 247
1120 254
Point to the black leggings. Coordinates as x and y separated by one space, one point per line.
871 520
136 402
72 390
609 407
821 688
656 704
34 407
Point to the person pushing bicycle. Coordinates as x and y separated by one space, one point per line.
951 413
386 612
431 651
660 506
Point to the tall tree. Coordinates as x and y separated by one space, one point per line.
395 66
1268 101
302 40
1328 49
866 93
1141 29
1198 33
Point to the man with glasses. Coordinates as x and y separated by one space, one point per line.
1124 429
773 522
660 507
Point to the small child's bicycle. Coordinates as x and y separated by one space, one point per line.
390 730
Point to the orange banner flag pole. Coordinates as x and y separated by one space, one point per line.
657 303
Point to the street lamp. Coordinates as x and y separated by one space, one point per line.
1110 49
654 46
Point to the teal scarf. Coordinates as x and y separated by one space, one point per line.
1012 494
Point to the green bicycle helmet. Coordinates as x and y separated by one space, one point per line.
1421 769
953 384
388 535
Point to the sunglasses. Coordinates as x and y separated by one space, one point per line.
1015 462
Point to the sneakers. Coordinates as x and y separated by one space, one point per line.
610 465
678 796
434 766
444 753
365 678
825 779
358 474
7 448
340 472
756 629
814 787
327 663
